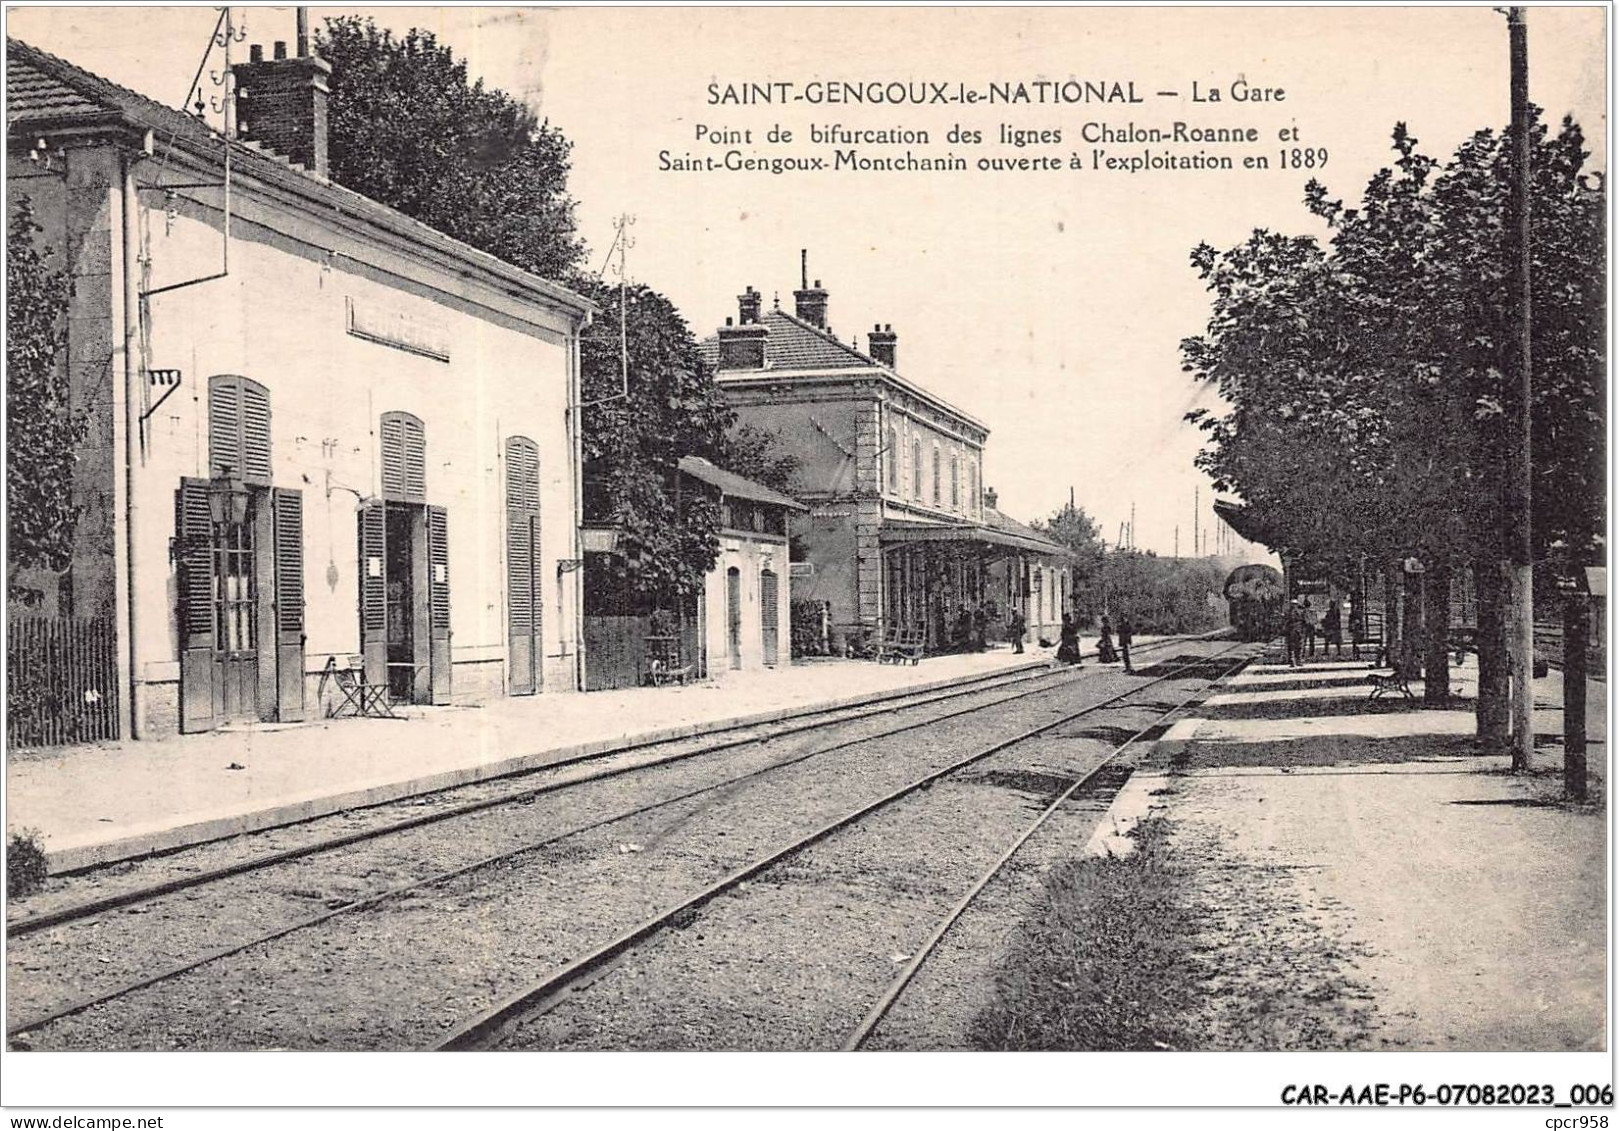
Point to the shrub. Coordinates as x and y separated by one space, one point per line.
25 864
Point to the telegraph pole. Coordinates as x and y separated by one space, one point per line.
1520 371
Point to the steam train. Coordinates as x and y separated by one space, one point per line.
1254 595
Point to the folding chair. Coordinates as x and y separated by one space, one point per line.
364 700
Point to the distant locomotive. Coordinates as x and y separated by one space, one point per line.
1254 595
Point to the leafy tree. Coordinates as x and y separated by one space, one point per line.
633 443
755 453
43 430
1365 383
409 130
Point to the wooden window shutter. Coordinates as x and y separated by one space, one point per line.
255 433
438 564
288 525
239 428
373 530
404 458
519 570
289 561
438 601
522 474
194 531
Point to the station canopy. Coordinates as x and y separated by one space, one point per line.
907 533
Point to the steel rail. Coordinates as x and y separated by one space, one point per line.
880 1009
797 724
479 1031
439 878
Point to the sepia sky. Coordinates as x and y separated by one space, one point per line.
1049 305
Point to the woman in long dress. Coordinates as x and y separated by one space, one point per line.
1068 644
1105 653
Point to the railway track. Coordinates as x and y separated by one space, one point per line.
489 794
73 919
490 1026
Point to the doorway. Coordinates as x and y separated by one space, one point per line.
405 571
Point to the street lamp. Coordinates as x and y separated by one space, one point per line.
227 500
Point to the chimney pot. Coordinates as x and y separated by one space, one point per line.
727 319
280 49
883 345
990 497
255 53
748 306
810 305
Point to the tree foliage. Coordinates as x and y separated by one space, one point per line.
633 444
756 453
409 130
1364 380
43 430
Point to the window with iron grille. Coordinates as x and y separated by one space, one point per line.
916 469
891 453
936 477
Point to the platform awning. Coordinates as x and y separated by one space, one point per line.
892 533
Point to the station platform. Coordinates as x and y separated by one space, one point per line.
1431 898
111 801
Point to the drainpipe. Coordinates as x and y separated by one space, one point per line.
576 395
132 426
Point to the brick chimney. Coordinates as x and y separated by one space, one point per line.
990 498
743 347
883 341
810 305
281 103
748 304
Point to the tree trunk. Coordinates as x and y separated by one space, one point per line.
1576 628
1489 580
1436 623
1391 615
1412 618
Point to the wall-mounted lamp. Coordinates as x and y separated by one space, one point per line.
227 499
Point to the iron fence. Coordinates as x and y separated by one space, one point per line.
62 681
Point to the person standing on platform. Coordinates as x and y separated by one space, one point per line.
980 628
1332 629
1104 646
1127 633
1017 626
1293 630
1068 645
1312 623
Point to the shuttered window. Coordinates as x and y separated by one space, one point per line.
373 580
438 569
404 458
239 428
523 581
289 561
194 532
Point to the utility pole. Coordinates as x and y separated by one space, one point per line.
1132 524
1521 375
1197 514
1177 541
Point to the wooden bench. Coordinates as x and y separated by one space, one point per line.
900 645
1384 684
